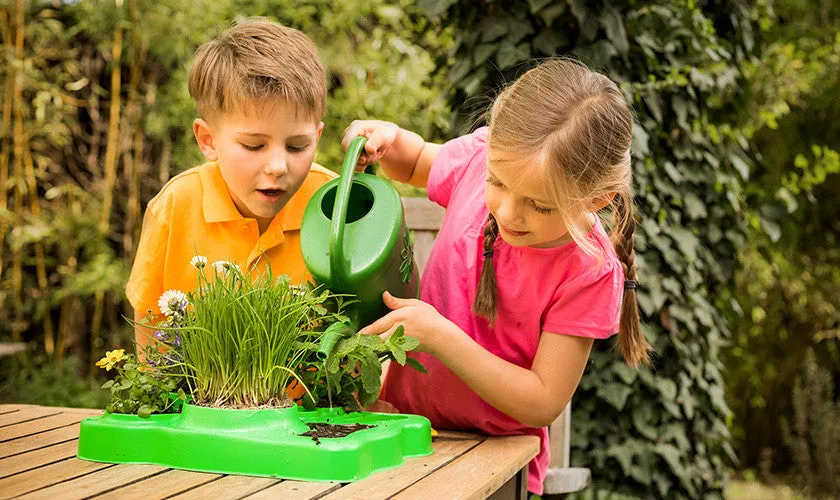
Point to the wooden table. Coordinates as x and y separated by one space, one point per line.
38 460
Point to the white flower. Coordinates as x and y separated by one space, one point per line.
223 266
173 302
198 261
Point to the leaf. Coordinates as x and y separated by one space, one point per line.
107 384
371 372
509 55
614 26
615 394
537 5
145 411
399 355
417 365
434 8
740 165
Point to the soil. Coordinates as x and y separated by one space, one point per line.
319 430
273 403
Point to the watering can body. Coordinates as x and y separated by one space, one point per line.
355 241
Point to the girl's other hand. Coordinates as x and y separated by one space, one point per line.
380 134
420 320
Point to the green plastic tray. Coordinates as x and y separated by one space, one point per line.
257 442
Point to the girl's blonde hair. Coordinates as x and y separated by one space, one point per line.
577 127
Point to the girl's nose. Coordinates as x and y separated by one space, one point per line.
508 210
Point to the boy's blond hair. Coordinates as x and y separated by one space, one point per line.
254 61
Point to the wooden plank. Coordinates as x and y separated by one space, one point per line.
294 490
559 434
40 425
447 434
62 409
385 483
9 348
95 483
479 472
20 445
37 458
171 482
48 475
422 213
423 242
25 414
228 487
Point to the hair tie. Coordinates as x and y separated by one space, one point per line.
488 254
630 284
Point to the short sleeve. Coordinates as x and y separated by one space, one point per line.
589 305
451 162
145 284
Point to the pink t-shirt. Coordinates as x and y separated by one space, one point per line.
560 290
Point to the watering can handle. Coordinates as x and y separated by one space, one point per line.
338 266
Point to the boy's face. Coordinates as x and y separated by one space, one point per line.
264 153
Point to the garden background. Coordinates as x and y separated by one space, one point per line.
735 172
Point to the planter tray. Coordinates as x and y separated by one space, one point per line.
264 442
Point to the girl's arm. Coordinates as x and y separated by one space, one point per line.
534 396
404 155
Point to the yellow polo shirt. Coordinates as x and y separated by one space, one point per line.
194 215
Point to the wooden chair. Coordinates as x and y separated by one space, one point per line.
424 218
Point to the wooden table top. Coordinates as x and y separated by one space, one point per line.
38 460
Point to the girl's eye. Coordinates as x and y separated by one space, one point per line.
494 182
252 148
541 210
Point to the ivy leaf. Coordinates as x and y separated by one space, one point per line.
509 55
672 456
614 25
537 5
615 394
434 8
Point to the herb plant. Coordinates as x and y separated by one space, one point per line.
241 340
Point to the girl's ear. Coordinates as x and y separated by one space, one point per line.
204 138
601 202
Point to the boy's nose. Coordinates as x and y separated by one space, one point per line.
276 166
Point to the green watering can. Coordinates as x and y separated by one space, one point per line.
355 241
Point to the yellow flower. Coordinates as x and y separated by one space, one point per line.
111 358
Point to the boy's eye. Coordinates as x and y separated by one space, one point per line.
297 149
249 147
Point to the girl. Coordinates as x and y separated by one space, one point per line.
522 277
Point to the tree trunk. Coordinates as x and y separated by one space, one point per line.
17 99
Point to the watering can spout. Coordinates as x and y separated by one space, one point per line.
332 335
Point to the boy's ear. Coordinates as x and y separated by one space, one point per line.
320 130
204 138
601 202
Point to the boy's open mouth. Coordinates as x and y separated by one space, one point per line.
271 195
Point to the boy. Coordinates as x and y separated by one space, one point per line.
260 90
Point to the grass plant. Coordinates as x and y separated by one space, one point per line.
240 336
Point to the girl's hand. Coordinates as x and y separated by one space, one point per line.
420 320
380 134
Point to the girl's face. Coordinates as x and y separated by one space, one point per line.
522 207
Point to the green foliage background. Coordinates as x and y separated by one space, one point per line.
735 169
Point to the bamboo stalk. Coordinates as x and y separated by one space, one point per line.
17 162
40 264
133 166
5 129
69 305
110 168
113 130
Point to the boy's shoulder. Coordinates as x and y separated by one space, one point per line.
185 187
